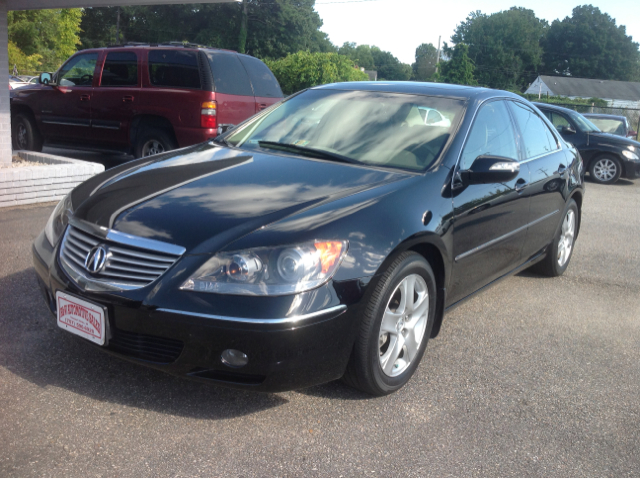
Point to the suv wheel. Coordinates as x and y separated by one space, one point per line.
25 134
153 141
605 170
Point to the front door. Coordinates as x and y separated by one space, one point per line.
490 221
66 107
116 99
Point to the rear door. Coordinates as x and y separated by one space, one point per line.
234 94
265 86
548 166
116 99
66 107
490 221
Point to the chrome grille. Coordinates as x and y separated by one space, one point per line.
127 266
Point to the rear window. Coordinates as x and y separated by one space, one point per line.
229 76
264 83
120 69
174 68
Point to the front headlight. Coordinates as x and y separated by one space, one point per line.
632 148
630 155
269 271
58 220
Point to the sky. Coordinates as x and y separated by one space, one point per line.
399 26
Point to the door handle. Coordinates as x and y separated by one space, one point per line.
85 97
262 106
521 184
127 99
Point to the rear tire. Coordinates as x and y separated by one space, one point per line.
605 169
559 254
395 328
25 134
153 141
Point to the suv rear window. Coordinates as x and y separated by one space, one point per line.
264 83
229 76
175 68
120 69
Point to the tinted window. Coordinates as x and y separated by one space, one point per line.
229 76
176 68
492 134
78 71
610 125
263 81
536 136
120 69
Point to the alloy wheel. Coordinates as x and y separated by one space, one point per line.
605 169
152 147
403 325
566 238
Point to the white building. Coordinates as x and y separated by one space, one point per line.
618 94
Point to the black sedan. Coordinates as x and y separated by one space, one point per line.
324 238
607 157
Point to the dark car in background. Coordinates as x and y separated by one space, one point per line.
141 99
323 238
607 157
614 124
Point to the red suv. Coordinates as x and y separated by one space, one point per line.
141 99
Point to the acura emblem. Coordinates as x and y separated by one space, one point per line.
96 259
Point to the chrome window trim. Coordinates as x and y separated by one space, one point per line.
291 319
483 246
539 156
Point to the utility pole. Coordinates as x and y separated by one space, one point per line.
242 38
118 28
438 54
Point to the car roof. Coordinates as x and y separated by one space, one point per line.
187 46
420 88
604 116
549 106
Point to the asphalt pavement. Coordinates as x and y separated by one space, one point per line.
535 377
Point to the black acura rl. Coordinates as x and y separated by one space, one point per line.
324 238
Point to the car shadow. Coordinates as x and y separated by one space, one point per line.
620 182
35 349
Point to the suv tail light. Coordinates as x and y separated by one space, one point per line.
208 115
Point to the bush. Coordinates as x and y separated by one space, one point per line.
564 100
303 69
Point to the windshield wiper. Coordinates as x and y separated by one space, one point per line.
221 141
321 154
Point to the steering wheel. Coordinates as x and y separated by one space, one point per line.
86 79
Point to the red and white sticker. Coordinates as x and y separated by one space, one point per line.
81 317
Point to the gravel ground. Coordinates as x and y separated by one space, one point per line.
535 377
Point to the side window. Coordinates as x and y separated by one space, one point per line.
492 133
120 69
229 76
558 121
78 71
174 68
263 81
536 136
433 117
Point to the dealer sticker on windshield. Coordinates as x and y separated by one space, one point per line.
81 317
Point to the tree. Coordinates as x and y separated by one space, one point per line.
460 69
51 35
505 46
590 45
425 66
372 58
305 69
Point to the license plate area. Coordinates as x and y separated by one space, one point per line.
82 318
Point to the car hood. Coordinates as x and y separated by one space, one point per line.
617 140
206 196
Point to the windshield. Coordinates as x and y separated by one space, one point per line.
584 124
611 125
373 128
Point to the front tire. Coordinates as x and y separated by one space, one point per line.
605 170
561 248
153 141
25 134
396 327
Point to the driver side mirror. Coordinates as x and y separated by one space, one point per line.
568 130
45 78
490 169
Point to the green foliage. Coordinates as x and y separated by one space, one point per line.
563 100
305 69
372 58
24 63
425 66
459 69
590 45
505 47
43 38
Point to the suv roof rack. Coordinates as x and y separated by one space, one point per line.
168 44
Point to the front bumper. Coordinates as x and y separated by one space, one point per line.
631 169
304 348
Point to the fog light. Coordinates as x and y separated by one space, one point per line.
234 358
